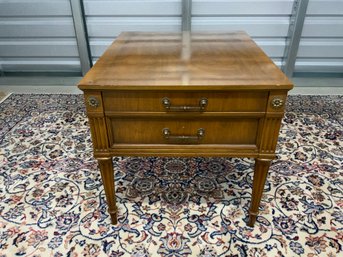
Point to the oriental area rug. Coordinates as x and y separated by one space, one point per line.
52 201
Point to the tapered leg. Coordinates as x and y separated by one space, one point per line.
107 175
260 175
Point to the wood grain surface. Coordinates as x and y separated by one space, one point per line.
206 61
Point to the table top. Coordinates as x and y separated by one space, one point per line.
209 61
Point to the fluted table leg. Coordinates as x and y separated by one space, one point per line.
107 175
260 175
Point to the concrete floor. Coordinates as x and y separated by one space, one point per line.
2 96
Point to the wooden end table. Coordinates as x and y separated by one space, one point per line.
182 95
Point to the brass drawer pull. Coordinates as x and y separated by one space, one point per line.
183 139
202 105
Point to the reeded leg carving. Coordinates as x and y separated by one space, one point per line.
260 175
107 175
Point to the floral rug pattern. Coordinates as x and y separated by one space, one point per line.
52 201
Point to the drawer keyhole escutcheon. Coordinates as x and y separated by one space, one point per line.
93 102
203 102
277 103
183 138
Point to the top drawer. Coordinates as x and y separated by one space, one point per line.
175 101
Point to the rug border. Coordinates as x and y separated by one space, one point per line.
5 98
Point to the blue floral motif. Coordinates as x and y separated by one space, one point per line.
338 216
140 251
14 212
55 242
286 225
268 247
66 221
296 247
208 251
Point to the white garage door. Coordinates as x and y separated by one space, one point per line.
38 35
321 45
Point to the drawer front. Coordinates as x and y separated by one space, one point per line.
171 101
226 131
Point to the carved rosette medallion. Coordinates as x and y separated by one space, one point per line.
277 102
93 102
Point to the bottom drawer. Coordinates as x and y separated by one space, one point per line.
128 130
